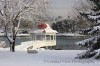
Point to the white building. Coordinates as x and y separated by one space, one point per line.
44 37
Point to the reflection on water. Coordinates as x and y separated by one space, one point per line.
68 40
62 42
18 40
68 43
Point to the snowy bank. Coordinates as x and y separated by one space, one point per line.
69 35
18 35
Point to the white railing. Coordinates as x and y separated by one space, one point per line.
38 44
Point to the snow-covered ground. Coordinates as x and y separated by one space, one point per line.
44 58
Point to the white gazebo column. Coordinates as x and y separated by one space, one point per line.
45 37
55 38
35 37
42 37
46 41
50 37
52 40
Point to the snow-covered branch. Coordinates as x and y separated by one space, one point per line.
88 42
94 17
17 28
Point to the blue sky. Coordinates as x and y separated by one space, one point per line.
62 7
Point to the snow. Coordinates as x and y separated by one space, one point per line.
86 12
22 35
9 37
18 35
2 44
37 31
94 17
2 34
93 30
24 45
69 34
98 21
49 30
43 57
97 27
87 41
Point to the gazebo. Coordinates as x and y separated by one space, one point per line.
44 36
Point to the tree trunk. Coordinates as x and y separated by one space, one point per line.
12 45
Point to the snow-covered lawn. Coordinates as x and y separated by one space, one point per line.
44 58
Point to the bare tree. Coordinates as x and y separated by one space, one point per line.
11 12
83 5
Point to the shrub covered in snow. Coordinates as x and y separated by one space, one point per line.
2 44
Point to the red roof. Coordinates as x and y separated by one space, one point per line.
42 26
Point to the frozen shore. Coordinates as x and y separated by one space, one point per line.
70 35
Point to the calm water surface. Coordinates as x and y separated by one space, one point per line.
62 42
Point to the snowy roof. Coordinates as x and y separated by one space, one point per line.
48 29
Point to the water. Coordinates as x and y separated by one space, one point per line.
68 43
18 40
62 42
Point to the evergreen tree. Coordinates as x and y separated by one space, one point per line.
64 26
93 44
